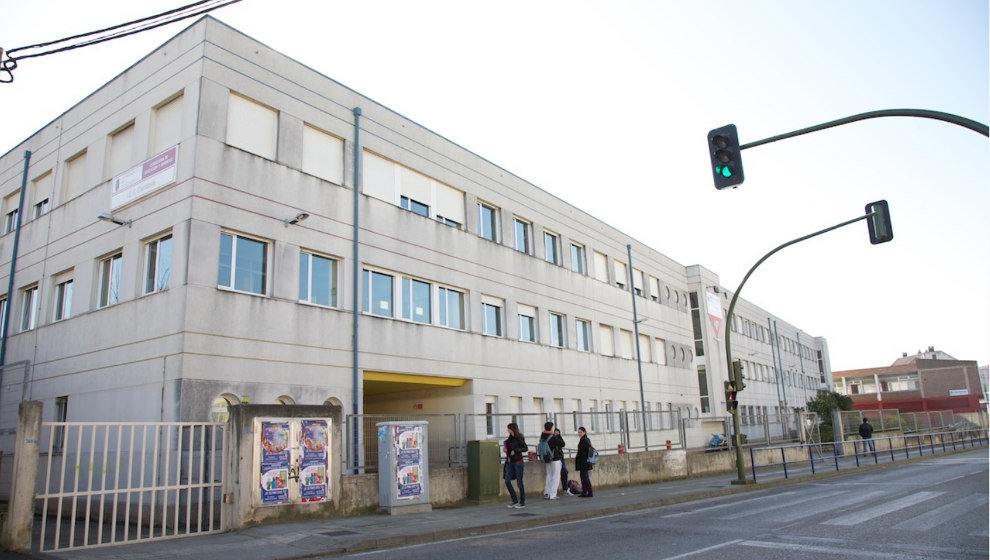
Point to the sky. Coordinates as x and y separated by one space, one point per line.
607 106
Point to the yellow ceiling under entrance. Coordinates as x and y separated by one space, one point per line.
379 382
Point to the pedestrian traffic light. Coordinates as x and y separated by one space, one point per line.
726 157
878 220
731 397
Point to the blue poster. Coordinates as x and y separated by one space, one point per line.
313 438
408 442
274 462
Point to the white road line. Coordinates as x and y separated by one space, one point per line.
800 500
830 550
725 505
825 508
699 551
865 515
931 519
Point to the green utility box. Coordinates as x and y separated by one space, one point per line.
484 471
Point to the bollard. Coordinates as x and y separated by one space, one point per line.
668 444
622 449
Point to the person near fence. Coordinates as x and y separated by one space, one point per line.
563 463
515 456
582 465
866 434
556 445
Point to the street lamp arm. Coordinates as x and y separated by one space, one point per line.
921 113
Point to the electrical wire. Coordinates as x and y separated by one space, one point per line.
8 65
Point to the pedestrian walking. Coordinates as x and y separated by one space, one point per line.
556 445
581 463
563 464
866 434
515 449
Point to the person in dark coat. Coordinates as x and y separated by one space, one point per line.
556 445
515 456
563 463
866 433
581 463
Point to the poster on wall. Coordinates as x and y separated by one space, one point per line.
313 438
714 311
409 461
274 462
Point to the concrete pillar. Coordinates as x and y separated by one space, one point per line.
20 516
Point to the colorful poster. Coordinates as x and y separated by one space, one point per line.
714 311
274 462
409 461
313 439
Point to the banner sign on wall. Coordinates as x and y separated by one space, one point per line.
409 455
274 462
714 311
313 438
150 175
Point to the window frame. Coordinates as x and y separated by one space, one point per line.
62 306
492 222
582 329
443 307
332 288
579 259
525 228
368 293
233 264
109 279
497 311
29 308
409 296
558 330
551 246
153 281
527 316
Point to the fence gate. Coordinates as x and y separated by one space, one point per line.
109 483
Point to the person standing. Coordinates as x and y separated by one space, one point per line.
556 445
866 434
515 449
563 463
581 463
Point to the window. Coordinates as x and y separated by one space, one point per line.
488 222
654 288
527 323
40 209
703 389
42 190
317 279
551 243
416 296
157 264
607 344
557 330
167 125
377 293
578 263
323 155
638 281
251 126
491 410
10 204
601 267
661 351
414 206
621 274
583 334
120 154
110 280
29 308
644 349
491 316
61 415
523 234
450 308
3 312
625 344
74 178
697 324
10 221
243 264
63 297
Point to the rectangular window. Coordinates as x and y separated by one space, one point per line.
251 126
157 264
63 299
661 351
3 313
414 206
621 274
450 308
527 323
654 288
416 296
120 154
10 221
557 330
583 333
625 344
167 124
377 293
61 415
323 155
74 178
578 263
696 323
490 411
317 279
601 267
110 280
491 316
42 192
488 222
243 264
644 349
40 209
551 244
523 234
638 281
606 342
29 309
703 389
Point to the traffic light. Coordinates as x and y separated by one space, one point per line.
731 397
737 375
723 147
879 222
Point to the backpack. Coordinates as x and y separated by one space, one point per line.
592 455
544 452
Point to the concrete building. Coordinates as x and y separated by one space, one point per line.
930 380
192 237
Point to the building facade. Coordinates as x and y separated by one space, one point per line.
222 224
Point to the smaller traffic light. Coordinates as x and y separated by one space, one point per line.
737 375
878 221
726 157
731 396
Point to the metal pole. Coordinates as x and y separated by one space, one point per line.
13 262
355 302
639 359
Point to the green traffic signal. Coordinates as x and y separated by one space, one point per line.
724 149
724 170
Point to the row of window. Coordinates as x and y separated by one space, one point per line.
756 331
600 417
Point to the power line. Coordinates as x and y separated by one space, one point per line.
8 65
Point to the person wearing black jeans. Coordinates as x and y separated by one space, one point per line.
582 465
515 456
563 464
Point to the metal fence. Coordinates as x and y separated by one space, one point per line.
112 483
446 448
892 419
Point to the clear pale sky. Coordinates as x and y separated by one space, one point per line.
607 106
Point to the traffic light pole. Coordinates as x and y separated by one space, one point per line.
736 428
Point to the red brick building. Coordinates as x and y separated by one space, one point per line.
930 380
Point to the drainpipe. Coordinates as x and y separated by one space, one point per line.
356 283
13 263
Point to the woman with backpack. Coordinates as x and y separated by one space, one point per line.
515 454
551 452
581 463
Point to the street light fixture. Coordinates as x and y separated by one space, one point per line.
108 217
296 219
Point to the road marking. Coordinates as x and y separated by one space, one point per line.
699 551
931 519
800 500
865 515
729 504
830 550
824 508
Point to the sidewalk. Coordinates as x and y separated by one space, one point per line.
312 538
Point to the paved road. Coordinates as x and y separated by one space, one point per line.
933 509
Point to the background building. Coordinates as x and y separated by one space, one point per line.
192 237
